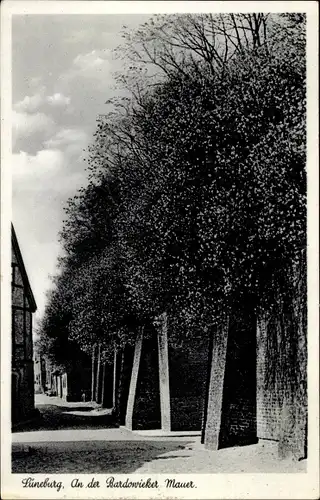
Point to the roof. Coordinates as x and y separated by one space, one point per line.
16 249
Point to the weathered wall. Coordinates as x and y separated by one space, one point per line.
230 417
268 387
282 369
238 421
146 410
187 374
187 370
258 377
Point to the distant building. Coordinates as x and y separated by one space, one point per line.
40 374
23 306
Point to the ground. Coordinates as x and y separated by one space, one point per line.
71 438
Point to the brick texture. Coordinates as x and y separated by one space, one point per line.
231 411
238 420
268 390
282 369
187 373
146 410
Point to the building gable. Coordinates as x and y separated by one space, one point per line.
17 259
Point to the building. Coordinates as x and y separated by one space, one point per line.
40 374
23 307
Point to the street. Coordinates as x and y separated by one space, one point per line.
69 440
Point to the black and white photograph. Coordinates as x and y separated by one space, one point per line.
157 259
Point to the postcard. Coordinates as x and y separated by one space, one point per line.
159 250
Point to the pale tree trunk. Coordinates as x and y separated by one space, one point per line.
114 392
93 372
118 396
98 372
213 411
103 384
134 378
162 334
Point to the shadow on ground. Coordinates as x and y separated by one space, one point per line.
85 457
54 417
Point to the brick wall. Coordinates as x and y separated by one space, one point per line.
281 401
187 375
238 419
268 389
146 410
230 417
187 380
282 369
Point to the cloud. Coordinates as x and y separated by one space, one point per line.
34 167
70 140
59 171
67 136
49 169
29 104
89 62
94 66
39 186
58 100
26 125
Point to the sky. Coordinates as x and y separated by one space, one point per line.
62 75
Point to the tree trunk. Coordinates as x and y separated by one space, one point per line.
114 392
103 384
124 383
164 385
93 385
120 384
134 378
98 373
213 411
207 388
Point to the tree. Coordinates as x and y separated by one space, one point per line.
197 191
205 131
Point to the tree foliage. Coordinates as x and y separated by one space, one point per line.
197 182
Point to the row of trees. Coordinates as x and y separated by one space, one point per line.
196 183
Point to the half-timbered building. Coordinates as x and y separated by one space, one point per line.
23 307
